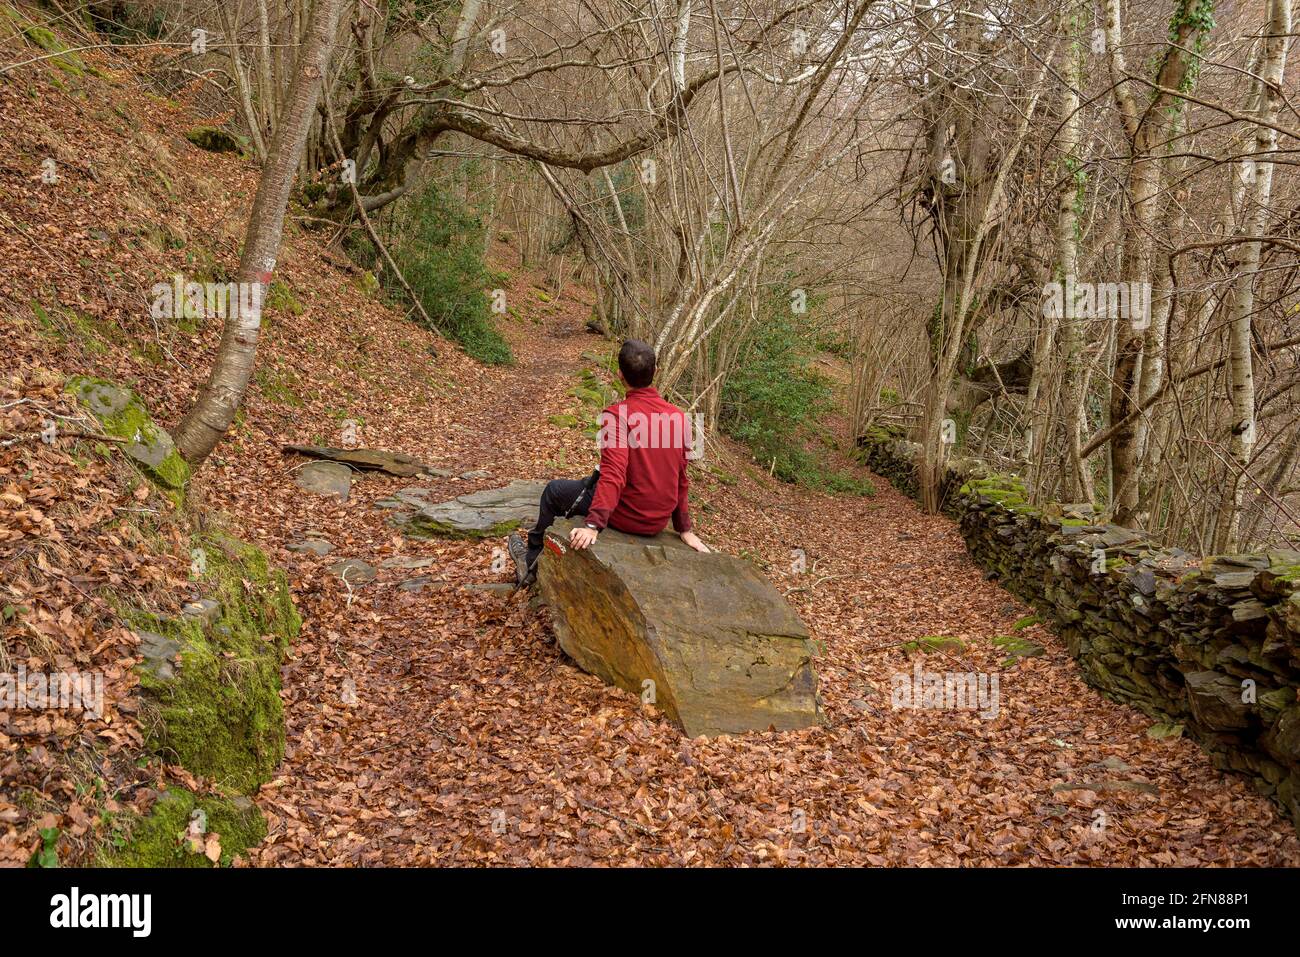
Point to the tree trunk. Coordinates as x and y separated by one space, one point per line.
1071 174
1253 223
1147 127
241 78
219 400
266 80
1130 343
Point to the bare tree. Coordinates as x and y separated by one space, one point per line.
1258 173
219 399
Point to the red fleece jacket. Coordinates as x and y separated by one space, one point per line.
643 445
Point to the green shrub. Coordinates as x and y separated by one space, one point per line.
439 251
775 398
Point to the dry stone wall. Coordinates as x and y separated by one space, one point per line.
1209 647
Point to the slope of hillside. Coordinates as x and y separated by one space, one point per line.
438 723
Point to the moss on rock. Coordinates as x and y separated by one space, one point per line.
367 282
219 714
245 579
44 38
161 838
564 421
122 415
886 433
214 140
1006 490
590 396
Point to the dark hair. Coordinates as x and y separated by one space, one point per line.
636 360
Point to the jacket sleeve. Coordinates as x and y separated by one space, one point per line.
682 513
613 471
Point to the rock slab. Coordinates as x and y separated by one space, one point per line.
124 416
354 571
314 546
325 478
368 460
485 514
724 652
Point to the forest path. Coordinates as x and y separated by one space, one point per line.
441 725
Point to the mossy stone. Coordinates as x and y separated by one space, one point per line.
214 140
220 714
46 39
726 478
122 415
1016 648
590 396
368 283
160 838
280 298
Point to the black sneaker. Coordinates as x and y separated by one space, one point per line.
518 549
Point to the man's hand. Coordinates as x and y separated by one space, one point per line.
693 540
581 538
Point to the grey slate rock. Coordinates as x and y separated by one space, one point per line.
206 610
159 652
315 546
325 478
354 571
479 514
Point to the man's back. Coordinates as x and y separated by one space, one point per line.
644 443
644 440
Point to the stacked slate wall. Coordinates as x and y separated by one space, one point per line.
1208 645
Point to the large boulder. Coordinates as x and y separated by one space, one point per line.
723 650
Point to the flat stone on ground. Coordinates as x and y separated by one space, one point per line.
367 460
325 478
421 582
354 571
406 498
494 588
315 546
484 514
407 562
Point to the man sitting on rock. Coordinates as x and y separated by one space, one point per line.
641 482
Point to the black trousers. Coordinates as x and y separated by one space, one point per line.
560 497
